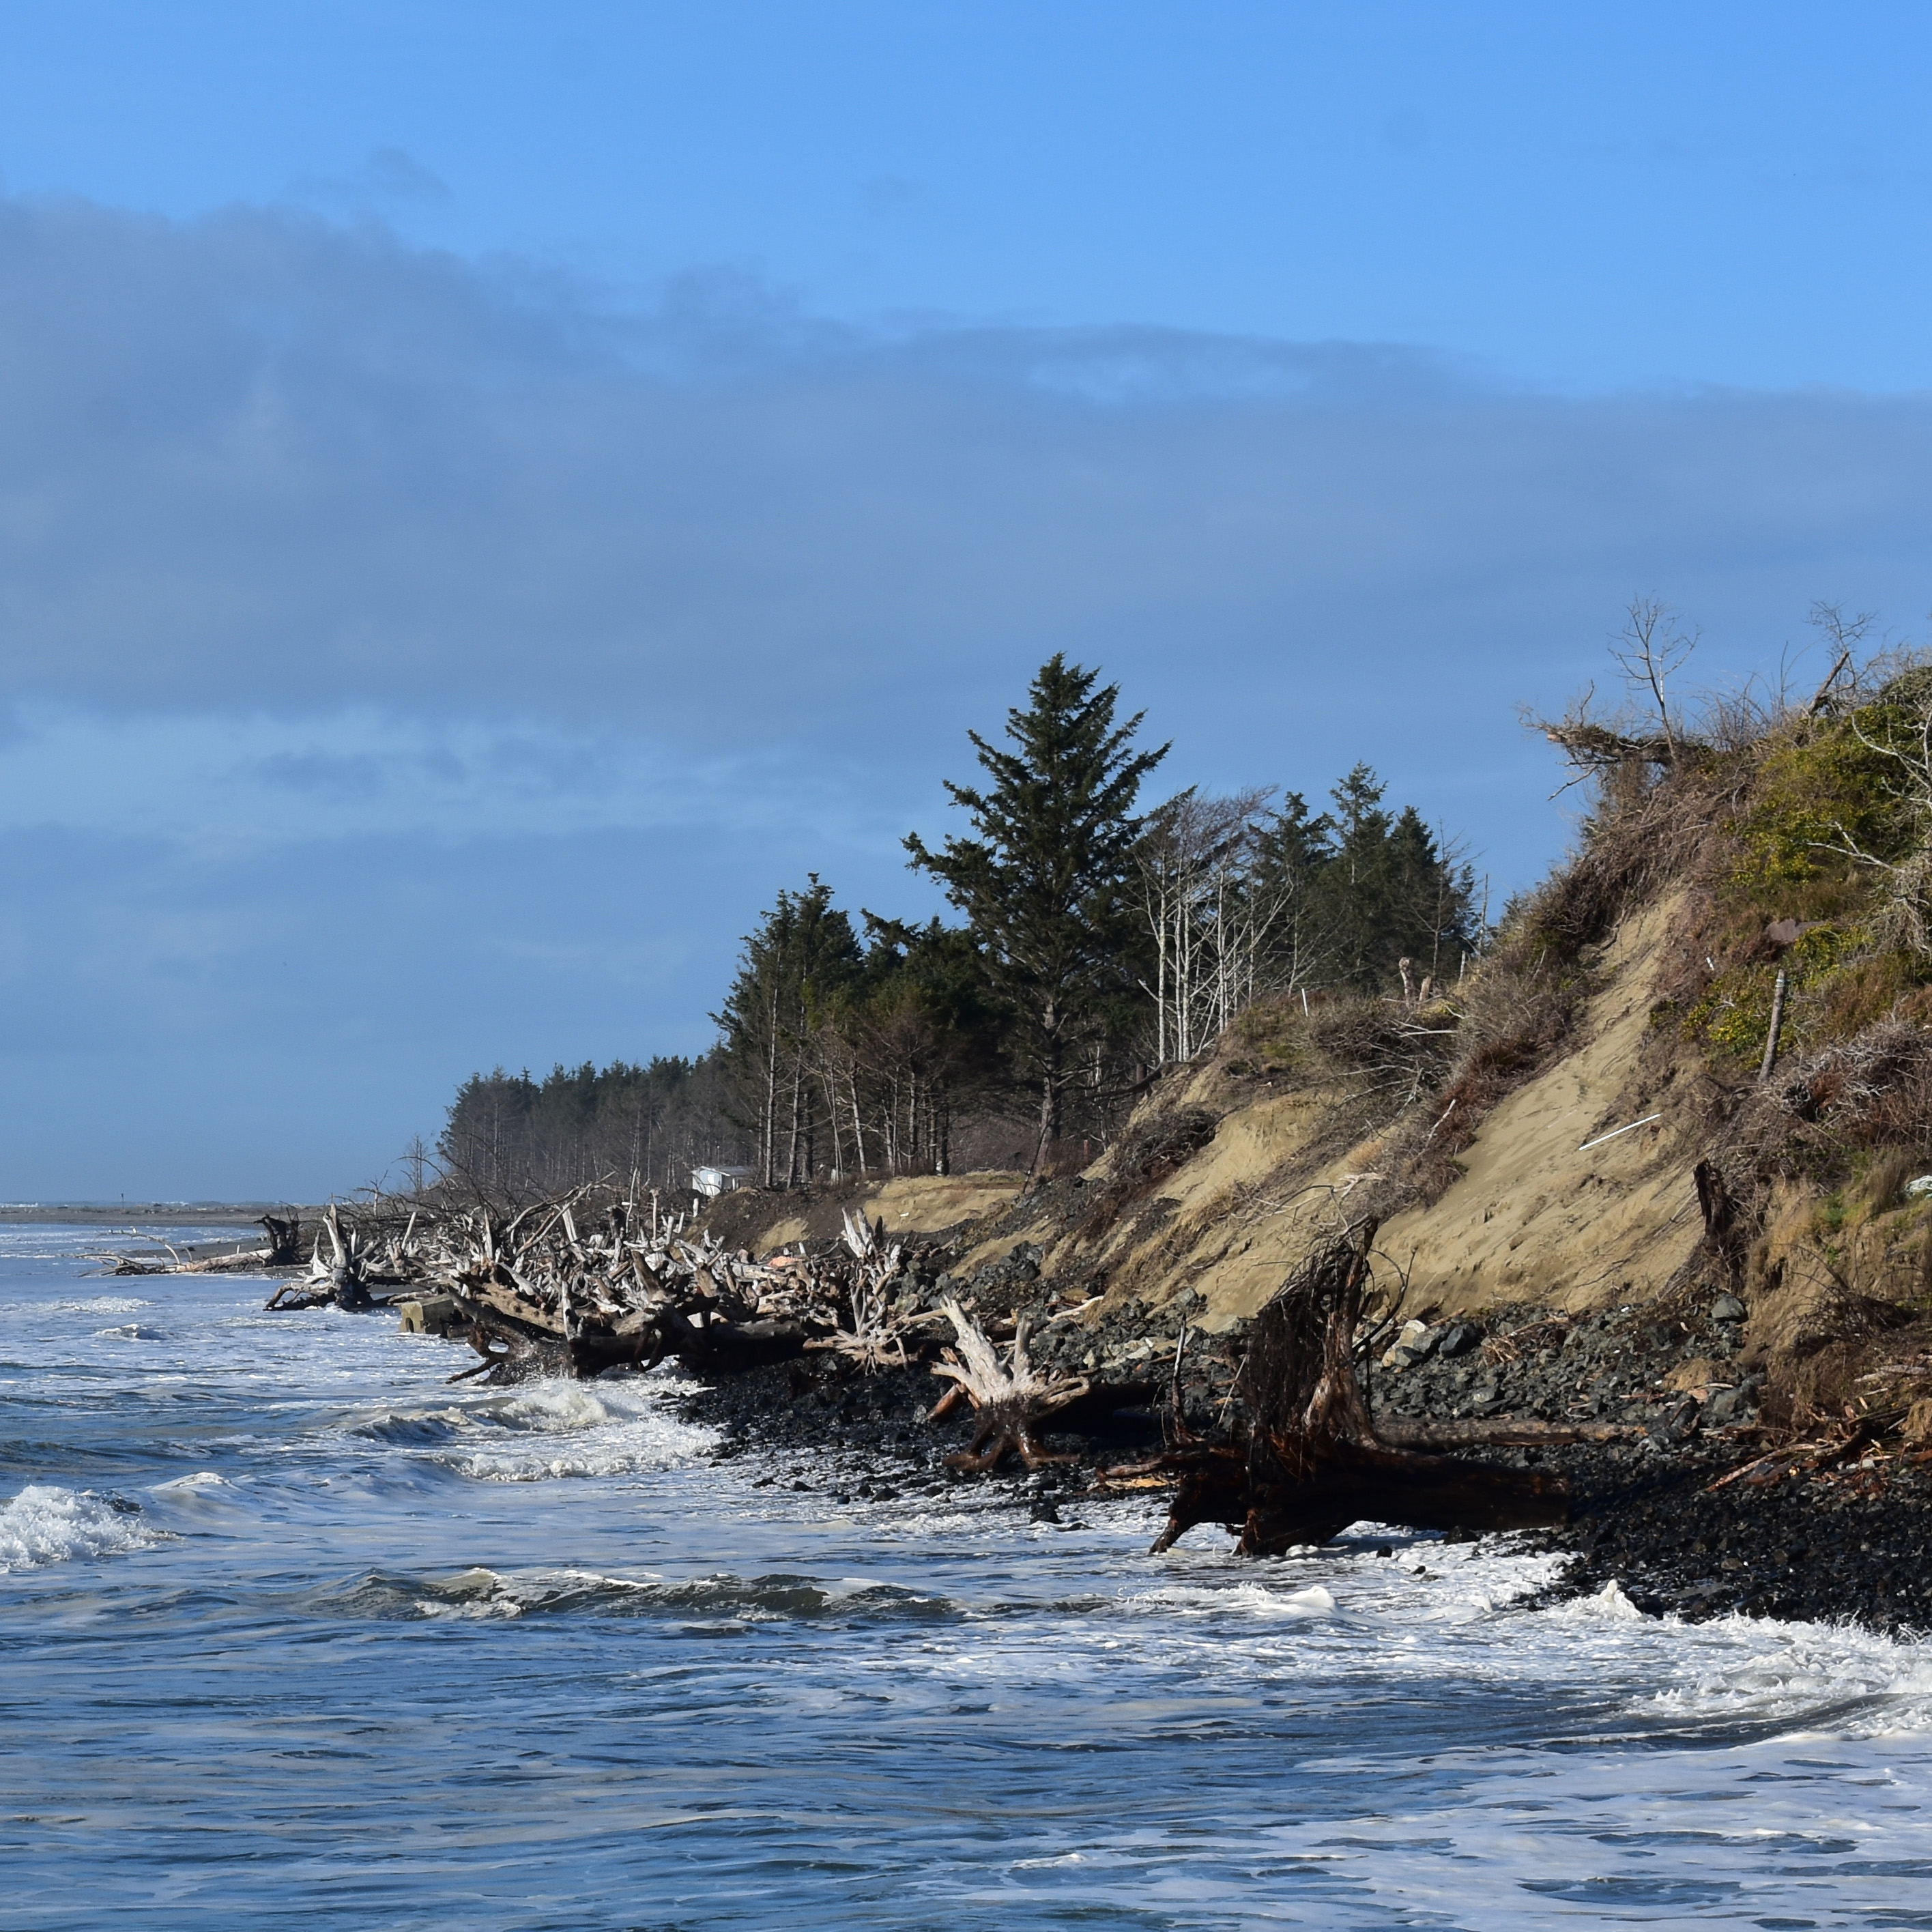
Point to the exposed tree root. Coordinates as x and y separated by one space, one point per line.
1307 1461
1013 1398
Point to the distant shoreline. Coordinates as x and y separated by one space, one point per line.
175 1213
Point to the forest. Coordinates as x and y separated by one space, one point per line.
1097 938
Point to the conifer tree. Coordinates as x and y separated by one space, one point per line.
1045 884
1380 890
803 955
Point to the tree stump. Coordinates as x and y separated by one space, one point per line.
1306 1462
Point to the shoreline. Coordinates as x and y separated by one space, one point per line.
1677 1490
1804 1550
175 1213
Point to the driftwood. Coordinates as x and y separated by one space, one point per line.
354 1269
537 1294
1595 747
1307 1461
875 1340
361 1260
1012 1397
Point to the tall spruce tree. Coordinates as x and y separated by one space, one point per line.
1046 884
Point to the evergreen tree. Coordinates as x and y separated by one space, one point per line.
509 1137
802 957
1045 884
1380 891
1291 850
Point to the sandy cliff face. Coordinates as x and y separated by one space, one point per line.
1545 1209
1229 1170
1564 1197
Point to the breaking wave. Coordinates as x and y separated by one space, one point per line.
542 1430
47 1524
724 1598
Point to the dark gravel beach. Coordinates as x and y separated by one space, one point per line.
1848 1541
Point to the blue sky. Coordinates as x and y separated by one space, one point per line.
489 493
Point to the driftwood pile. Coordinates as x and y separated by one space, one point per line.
361 1262
281 1249
560 1289
566 1287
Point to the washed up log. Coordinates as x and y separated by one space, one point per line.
510 1352
284 1236
1087 1415
241 1260
1011 1397
430 1314
731 1348
494 1287
1306 1462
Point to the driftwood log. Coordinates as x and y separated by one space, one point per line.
1012 1397
1306 1461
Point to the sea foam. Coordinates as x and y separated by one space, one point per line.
545 1429
47 1524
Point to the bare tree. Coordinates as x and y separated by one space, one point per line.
1843 635
1650 650
1205 913
1905 914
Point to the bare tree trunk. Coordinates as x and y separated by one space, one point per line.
858 1124
1310 1462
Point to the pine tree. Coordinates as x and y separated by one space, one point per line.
1045 886
1381 891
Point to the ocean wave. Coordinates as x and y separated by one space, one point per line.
97 1304
1254 1599
47 1524
723 1598
1608 1604
130 1331
541 1431
1758 1672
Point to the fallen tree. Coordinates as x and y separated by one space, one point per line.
1304 1460
1012 1398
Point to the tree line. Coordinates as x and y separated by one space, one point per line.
509 1137
1097 939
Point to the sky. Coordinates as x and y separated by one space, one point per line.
490 493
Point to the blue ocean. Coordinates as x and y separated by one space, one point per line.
296 1634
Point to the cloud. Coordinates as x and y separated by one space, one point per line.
387 177
412 663
257 461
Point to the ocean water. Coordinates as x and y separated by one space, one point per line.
296 1634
